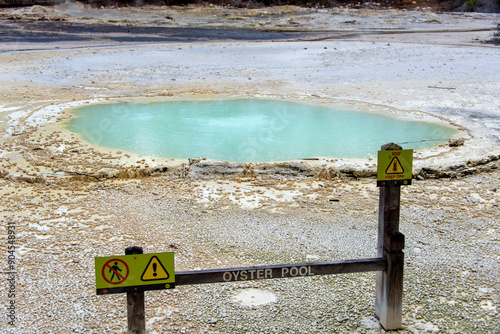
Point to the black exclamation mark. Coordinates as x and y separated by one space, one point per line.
394 167
154 269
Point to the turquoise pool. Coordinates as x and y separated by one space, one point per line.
249 130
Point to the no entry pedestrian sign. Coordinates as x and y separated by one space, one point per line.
394 167
134 273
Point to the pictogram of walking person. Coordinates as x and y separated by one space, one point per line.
115 269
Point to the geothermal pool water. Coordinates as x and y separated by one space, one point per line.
249 130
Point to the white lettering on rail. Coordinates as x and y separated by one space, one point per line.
251 274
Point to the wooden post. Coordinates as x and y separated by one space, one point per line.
135 303
389 284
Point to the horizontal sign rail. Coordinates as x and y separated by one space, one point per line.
279 271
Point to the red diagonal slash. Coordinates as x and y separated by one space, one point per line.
123 278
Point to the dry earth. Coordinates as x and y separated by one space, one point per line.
71 202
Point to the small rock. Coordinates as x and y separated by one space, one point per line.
456 142
471 199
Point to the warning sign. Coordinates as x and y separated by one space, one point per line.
154 271
134 273
394 168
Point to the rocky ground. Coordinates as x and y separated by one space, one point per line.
451 274
70 201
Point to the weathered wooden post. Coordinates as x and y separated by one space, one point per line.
389 284
135 303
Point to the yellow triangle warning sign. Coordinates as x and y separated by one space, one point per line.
154 271
394 167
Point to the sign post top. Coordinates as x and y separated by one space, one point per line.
394 167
